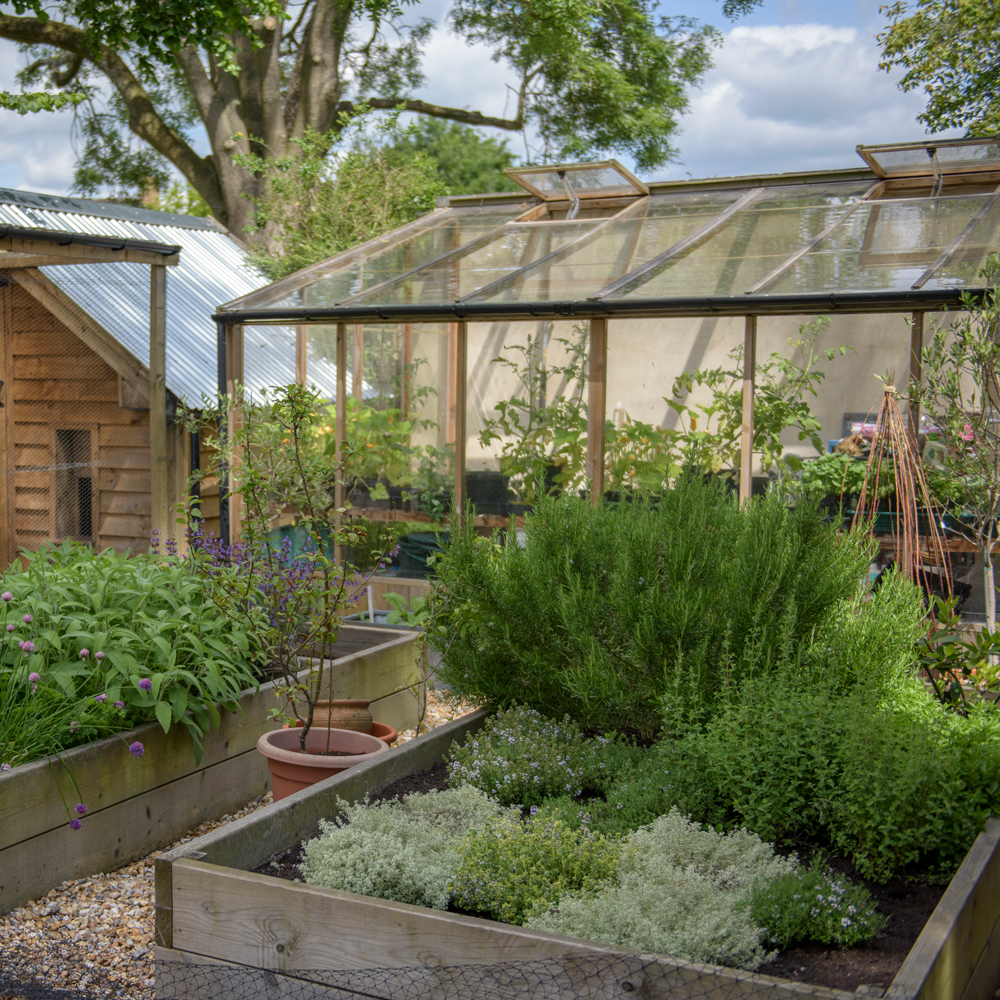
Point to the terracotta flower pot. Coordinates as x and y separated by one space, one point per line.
380 730
343 713
291 770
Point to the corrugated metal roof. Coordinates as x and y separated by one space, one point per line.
212 269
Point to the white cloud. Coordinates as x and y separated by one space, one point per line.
792 97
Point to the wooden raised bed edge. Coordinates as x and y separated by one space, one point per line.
139 805
217 921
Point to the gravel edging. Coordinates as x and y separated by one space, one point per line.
95 934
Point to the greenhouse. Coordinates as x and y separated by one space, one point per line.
592 285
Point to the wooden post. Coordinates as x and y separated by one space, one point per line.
408 375
222 369
234 372
301 371
746 432
159 477
597 405
916 371
339 432
452 379
461 374
358 366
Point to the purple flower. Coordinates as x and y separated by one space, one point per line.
4 766
100 698
33 677
84 653
119 704
146 684
75 824
81 809
137 749
6 596
99 656
28 646
26 619
10 628
74 725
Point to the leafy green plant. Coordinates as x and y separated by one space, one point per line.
511 868
814 906
838 475
635 605
404 851
709 435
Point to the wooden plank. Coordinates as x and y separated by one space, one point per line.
118 502
597 405
985 981
376 672
40 434
61 366
130 829
124 458
8 543
746 430
916 372
64 414
80 253
66 390
955 939
402 710
47 341
137 435
27 500
126 526
460 407
124 480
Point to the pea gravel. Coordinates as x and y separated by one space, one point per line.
95 934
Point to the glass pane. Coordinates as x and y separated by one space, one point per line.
750 244
599 181
962 269
465 272
883 246
325 284
970 157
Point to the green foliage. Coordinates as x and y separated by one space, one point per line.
632 604
183 199
607 77
945 48
815 906
709 435
468 162
317 205
138 617
839 475
681 891
403 851
510 868
25 104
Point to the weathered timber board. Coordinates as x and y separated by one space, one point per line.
106 774
131 829
396 666
957 956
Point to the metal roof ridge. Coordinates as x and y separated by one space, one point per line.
107 210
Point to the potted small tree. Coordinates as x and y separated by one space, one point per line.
291 602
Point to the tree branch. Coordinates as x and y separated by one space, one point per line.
436 111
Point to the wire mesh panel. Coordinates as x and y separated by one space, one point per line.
75 420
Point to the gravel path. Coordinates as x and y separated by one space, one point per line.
96 934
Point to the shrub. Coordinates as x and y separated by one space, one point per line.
681 891
404 851
814 906
511 868
607 610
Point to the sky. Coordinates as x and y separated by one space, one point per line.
795 86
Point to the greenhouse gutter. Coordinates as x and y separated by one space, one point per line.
731 305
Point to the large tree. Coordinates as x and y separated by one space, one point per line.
593 77
950 49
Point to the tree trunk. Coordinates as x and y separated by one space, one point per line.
989 586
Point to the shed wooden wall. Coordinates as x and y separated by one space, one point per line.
56 382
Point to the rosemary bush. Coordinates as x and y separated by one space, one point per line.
608 612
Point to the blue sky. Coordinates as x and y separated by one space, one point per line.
795 87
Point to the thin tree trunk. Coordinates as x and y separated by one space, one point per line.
989 584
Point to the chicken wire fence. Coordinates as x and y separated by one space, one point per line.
74 408
587 977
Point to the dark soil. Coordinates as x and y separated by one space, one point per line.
905 905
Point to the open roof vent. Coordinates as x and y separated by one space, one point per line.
933 157
578 181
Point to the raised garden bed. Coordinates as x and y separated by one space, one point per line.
139 805
222 928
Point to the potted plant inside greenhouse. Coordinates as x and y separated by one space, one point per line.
292 601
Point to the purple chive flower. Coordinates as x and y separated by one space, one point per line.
4 766
33 677
99 656
81 809
75 824
74 725
146 684
26 619
10 628
84 653
119 704
137 749
6 596
28 646
100 698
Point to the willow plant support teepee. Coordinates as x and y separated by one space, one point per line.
893 446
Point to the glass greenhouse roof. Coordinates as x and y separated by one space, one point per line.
743 245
